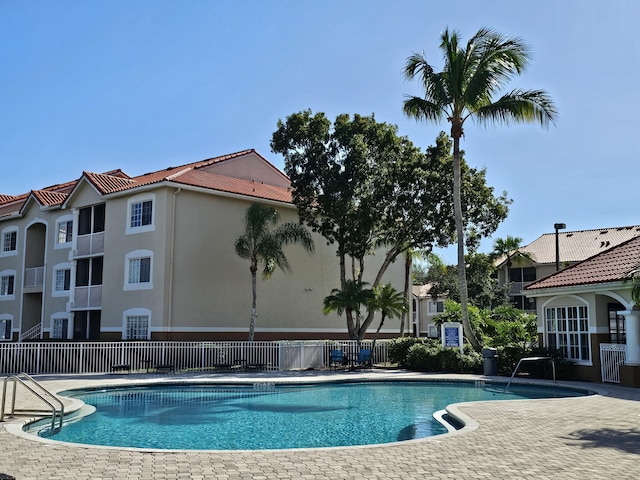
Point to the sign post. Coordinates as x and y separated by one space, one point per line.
451 333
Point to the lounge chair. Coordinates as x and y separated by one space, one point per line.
337 359
364 359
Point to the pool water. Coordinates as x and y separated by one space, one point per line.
268 416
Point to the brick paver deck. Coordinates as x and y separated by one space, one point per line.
595 437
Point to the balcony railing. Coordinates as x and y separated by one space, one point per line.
516 287
92 244
34 277
87 297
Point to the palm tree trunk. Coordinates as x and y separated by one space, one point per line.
407 280
456 132
373 345
252 324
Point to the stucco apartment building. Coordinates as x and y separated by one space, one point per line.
113 257
573 246
586 310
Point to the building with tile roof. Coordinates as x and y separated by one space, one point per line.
425 308
111 256
587 310
573 246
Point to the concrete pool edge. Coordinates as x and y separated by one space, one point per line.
61 383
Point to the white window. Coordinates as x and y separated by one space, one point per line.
5 326
60 328
568 330
141 214
137 327
139 270
61 279
64 231
7 285
436 307
9 242
434 331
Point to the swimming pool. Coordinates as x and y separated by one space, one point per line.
270 416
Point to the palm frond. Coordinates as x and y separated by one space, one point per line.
520 106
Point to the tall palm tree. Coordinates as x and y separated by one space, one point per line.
390 302
472 75
263 242
353 296
510 247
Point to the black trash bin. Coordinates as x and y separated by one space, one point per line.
490 361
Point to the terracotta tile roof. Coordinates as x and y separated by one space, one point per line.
577 245
192 174
240 186
48 198
6 198
613 265
106 183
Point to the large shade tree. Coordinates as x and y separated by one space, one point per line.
363 187
466 87
262 243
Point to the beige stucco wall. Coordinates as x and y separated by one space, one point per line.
201 288
212 285
250 166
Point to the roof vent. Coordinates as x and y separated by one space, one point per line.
603 232
569 235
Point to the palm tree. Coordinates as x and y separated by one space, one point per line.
390 302
471 77
510 247
352 297
260 243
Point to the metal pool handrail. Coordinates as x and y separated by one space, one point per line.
532 359
16 379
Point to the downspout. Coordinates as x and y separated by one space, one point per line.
172 241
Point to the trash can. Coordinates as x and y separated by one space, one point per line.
490 361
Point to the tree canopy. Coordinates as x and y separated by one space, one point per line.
363 187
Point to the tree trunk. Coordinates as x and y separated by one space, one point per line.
353 333
373 345
252 324
456 132
407 282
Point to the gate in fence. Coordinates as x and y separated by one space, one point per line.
612 355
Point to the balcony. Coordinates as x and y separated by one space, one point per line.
87 297
92 244
34 277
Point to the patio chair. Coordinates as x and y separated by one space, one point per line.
364 359
337 359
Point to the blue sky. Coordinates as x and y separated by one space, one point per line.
143 85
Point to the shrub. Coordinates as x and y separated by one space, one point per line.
433 358
423 358
398 349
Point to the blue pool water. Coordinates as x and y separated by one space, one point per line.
267 416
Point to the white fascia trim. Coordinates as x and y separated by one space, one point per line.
577 289
191 188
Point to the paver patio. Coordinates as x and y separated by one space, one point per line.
595 437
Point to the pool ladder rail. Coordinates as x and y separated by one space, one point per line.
532 359
39 391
